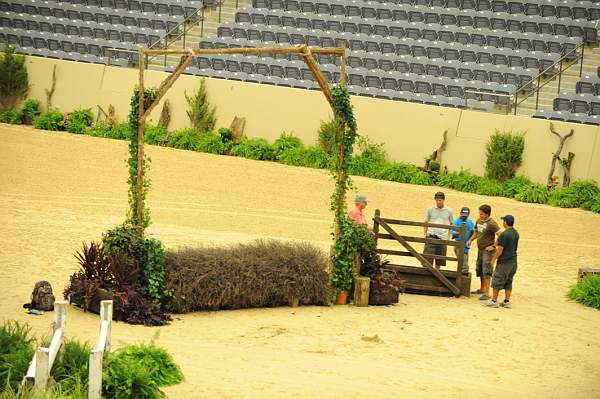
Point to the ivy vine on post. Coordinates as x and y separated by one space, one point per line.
345 234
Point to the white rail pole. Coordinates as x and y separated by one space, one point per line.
95 376
60 315
42 368
97 355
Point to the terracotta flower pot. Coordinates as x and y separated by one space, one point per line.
342 298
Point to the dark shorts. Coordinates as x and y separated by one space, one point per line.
504 274
483 267
432 248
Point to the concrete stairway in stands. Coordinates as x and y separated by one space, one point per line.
570 77
213 17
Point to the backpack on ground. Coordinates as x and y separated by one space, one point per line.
42 297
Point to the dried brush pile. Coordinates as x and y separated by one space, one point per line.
258 274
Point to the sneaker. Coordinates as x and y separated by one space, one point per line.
492 304
484 297
477 291
506 305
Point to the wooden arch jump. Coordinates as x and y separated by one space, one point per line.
188 55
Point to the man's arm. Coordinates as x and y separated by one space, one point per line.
473 237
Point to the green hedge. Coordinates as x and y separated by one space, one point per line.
370 160
587 291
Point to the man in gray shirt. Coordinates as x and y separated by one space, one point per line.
437 214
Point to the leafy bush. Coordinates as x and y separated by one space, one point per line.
421 178
462 181
535 193
156 135
185 139
352 241
12 117
258 149
78 121
71 367
256 274
16 351
587 291
226 134
399 172
512 187
490 187
577 194
53 120
504 155
200 112
31 109
211 143
370 161
326 133
14 81
593 204
119 132
311 157
284 143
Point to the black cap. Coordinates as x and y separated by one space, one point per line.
439 195
509 219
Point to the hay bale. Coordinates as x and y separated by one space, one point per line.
264 273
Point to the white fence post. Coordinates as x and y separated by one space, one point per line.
60 315
97 355
42 368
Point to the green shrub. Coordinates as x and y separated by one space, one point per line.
577 194
421 178
226 134
16 351
399 172
119 132
587 291
512 187
156 135
535 193
14 81
462 181
310 157
284 143
12 117
201 114
504 155
211 143
70 368
258 149
185 139
78 121
31 109
138 372
490 187
593 204
370 161
53 120
326 133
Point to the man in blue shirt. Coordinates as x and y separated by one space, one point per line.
470 227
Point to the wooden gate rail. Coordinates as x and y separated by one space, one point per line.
455 287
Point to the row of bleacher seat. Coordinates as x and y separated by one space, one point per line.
589 85
546 8
155 6
407 63
414 30
83 29
567 116
389 45
577 103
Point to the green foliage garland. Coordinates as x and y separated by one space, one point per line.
352 241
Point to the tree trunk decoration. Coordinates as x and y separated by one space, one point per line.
237 127
50 93
566 164
551 183
165 115
434 162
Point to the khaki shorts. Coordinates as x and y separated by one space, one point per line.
483 267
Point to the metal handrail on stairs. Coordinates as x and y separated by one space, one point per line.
544 74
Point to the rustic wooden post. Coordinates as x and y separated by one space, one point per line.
343 65
362 287
566 164
139 203
42 368
556 155
376 225
460 255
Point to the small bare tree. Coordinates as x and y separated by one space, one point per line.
551 183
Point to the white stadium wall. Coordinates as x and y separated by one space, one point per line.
410 131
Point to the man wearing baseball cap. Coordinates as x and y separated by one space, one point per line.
506 259
469 228
356 212
437 214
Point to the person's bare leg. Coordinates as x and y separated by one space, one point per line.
486 286
507 294
481 284
496 291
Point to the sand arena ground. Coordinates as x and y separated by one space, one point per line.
57 190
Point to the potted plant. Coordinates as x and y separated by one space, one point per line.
385 284
341 298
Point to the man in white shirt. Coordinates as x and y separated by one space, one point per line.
437 214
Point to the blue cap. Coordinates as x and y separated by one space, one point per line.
465 211
509 219
361 198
